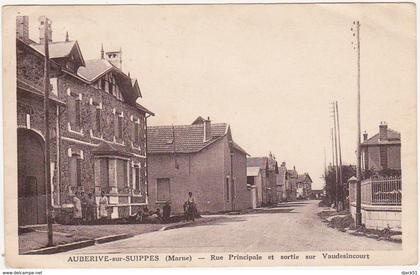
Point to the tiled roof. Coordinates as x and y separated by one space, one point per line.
94 68
59 49
187 138
394 137
144 109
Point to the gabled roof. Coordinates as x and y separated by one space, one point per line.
292 173
94 69
144 109
303 178
239 148
60 49
182 138
394 137
199 120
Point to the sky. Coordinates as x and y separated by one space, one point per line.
270 71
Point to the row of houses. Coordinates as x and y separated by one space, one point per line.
271 184
100 142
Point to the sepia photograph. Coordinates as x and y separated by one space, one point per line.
210 135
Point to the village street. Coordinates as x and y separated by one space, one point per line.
292 226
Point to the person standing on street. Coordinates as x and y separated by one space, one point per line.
77 214
103 204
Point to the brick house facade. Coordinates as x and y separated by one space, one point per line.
97 130
201 158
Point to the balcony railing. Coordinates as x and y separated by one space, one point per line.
381 191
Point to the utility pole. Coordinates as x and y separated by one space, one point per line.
356 33
337 188
47 25
339 157
333 158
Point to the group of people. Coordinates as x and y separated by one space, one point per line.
144 215
85 210
85 207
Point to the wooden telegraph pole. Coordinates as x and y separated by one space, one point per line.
356 33
47 25
339 157
337 185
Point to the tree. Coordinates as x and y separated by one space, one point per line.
331 184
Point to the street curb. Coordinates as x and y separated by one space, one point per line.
112 238
175 226
76 245
60 248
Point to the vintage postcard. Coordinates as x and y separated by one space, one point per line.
210 135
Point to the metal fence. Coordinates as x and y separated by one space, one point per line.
382 191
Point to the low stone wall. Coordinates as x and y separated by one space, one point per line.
379 216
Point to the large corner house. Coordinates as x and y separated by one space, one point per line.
97 128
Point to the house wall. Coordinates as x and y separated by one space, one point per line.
82 141
201 173
259 188
242 194
393 155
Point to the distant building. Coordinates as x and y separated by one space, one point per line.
268 170
255 178
291 184
201 158
382 151
303 186
97 129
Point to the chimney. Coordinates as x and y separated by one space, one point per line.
383 131
102 52
115 57
365 136
22 28
42 28
283 164
207 129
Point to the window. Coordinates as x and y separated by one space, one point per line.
102 84
122 179
77 113
383 154
120 121
118 126
74 107
136 133
104 174
75 170
250 180
98 120
137 177
163 190
227 189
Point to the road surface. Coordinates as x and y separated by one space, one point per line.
292 226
